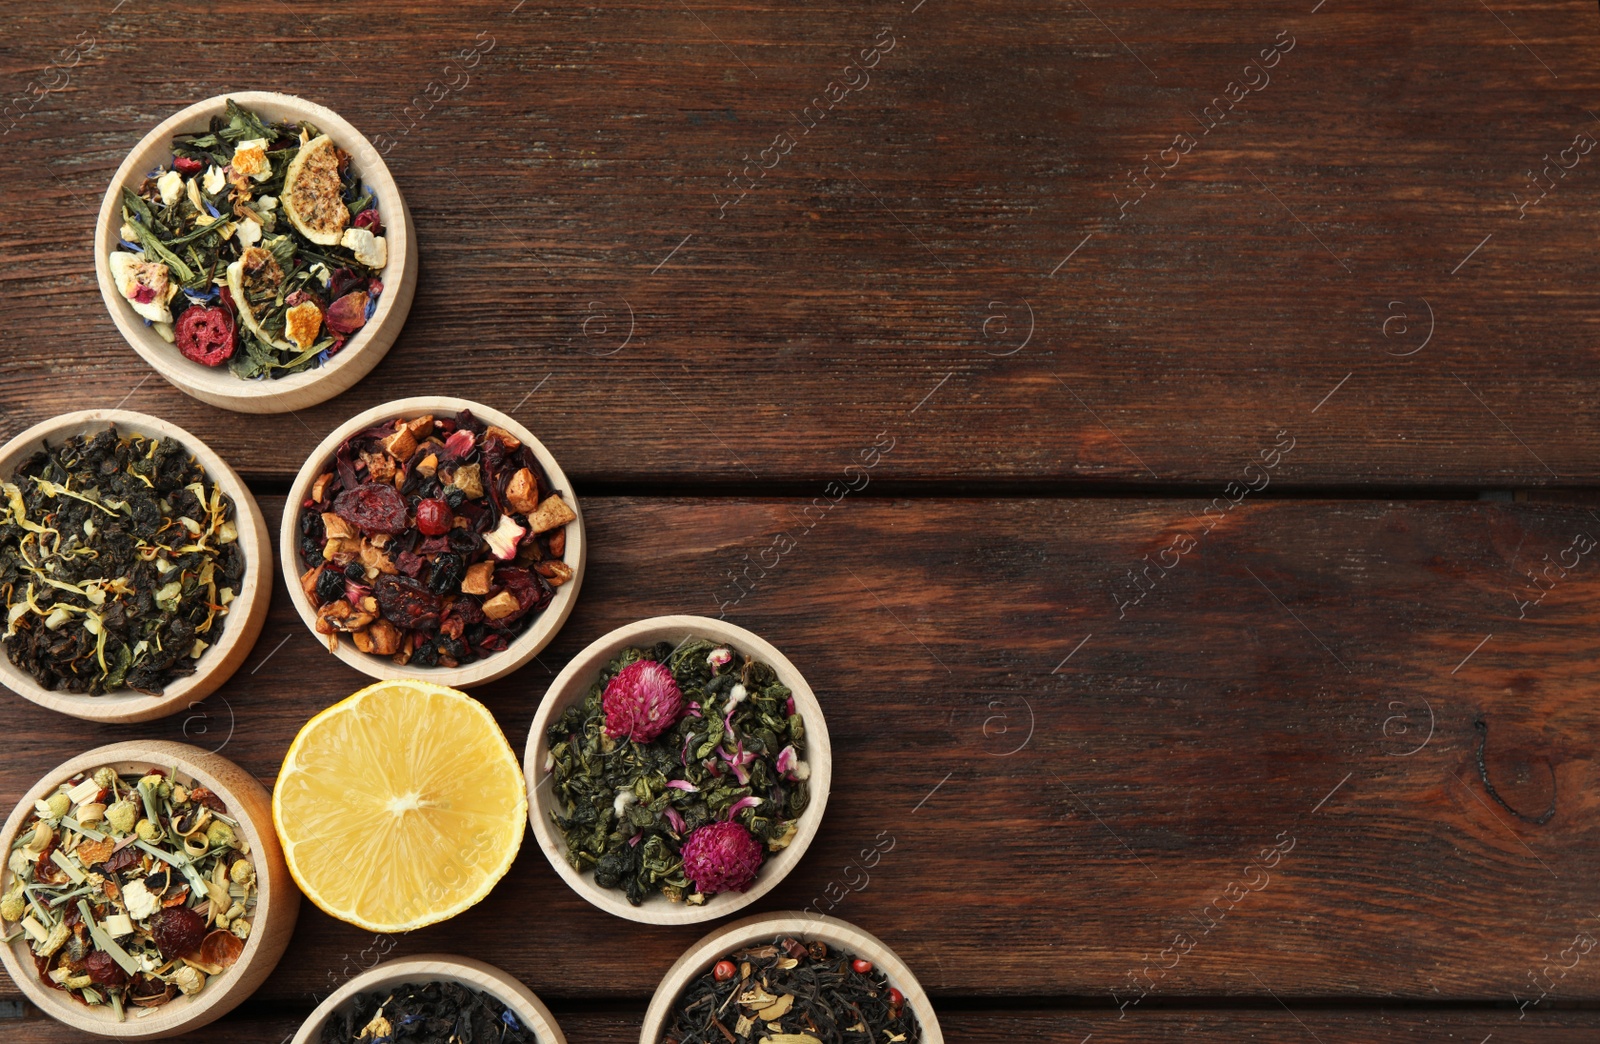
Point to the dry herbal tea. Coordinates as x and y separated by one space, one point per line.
434 542
257 247
130 889
679 772
791 992
426 1013
119 559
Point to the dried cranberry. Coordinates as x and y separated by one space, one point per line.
348 314
178 931
372 507
369 220
434 517
104 970
186 166
330 586
406 603
206 334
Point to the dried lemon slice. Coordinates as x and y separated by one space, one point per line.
311 189
257 269
400 807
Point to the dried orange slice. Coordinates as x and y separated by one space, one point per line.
400 807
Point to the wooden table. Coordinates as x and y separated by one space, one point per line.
1193 637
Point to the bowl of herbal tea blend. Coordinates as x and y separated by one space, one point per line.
135 568
144 892
433 538
792 979
433 998
254 249
677 770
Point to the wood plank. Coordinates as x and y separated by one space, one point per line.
255 1026
1079 811
880 277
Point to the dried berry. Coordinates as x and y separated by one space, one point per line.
206 334
724 971
406 603
448 569
372 507
330 586
104 970
178 931
434 517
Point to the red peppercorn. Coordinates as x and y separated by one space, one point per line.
724 971
434 517
896 999
861 966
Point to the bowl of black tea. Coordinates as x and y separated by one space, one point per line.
789 978
135 568
431 999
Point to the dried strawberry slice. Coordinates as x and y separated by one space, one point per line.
206 334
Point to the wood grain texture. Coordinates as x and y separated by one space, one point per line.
567 185
1061 809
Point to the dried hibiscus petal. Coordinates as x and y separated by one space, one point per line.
373 507
178 931
407 603
205 334
348 314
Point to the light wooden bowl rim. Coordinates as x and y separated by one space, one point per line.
539 633
277 905
216 385
573 683
765 927
245 616
429 967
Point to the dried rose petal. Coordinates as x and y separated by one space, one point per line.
205 334
369 220
186 166
348 314
642 701
178 931
221 948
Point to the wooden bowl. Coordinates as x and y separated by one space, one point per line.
277 907
763 928
539 633
572 685
216 385
245 616
431 967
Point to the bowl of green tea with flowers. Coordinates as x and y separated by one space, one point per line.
677 770
254 249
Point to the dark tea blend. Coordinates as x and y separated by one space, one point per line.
680 772
119 560
791 993
426 1013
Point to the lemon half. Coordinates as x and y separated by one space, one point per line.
400 806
